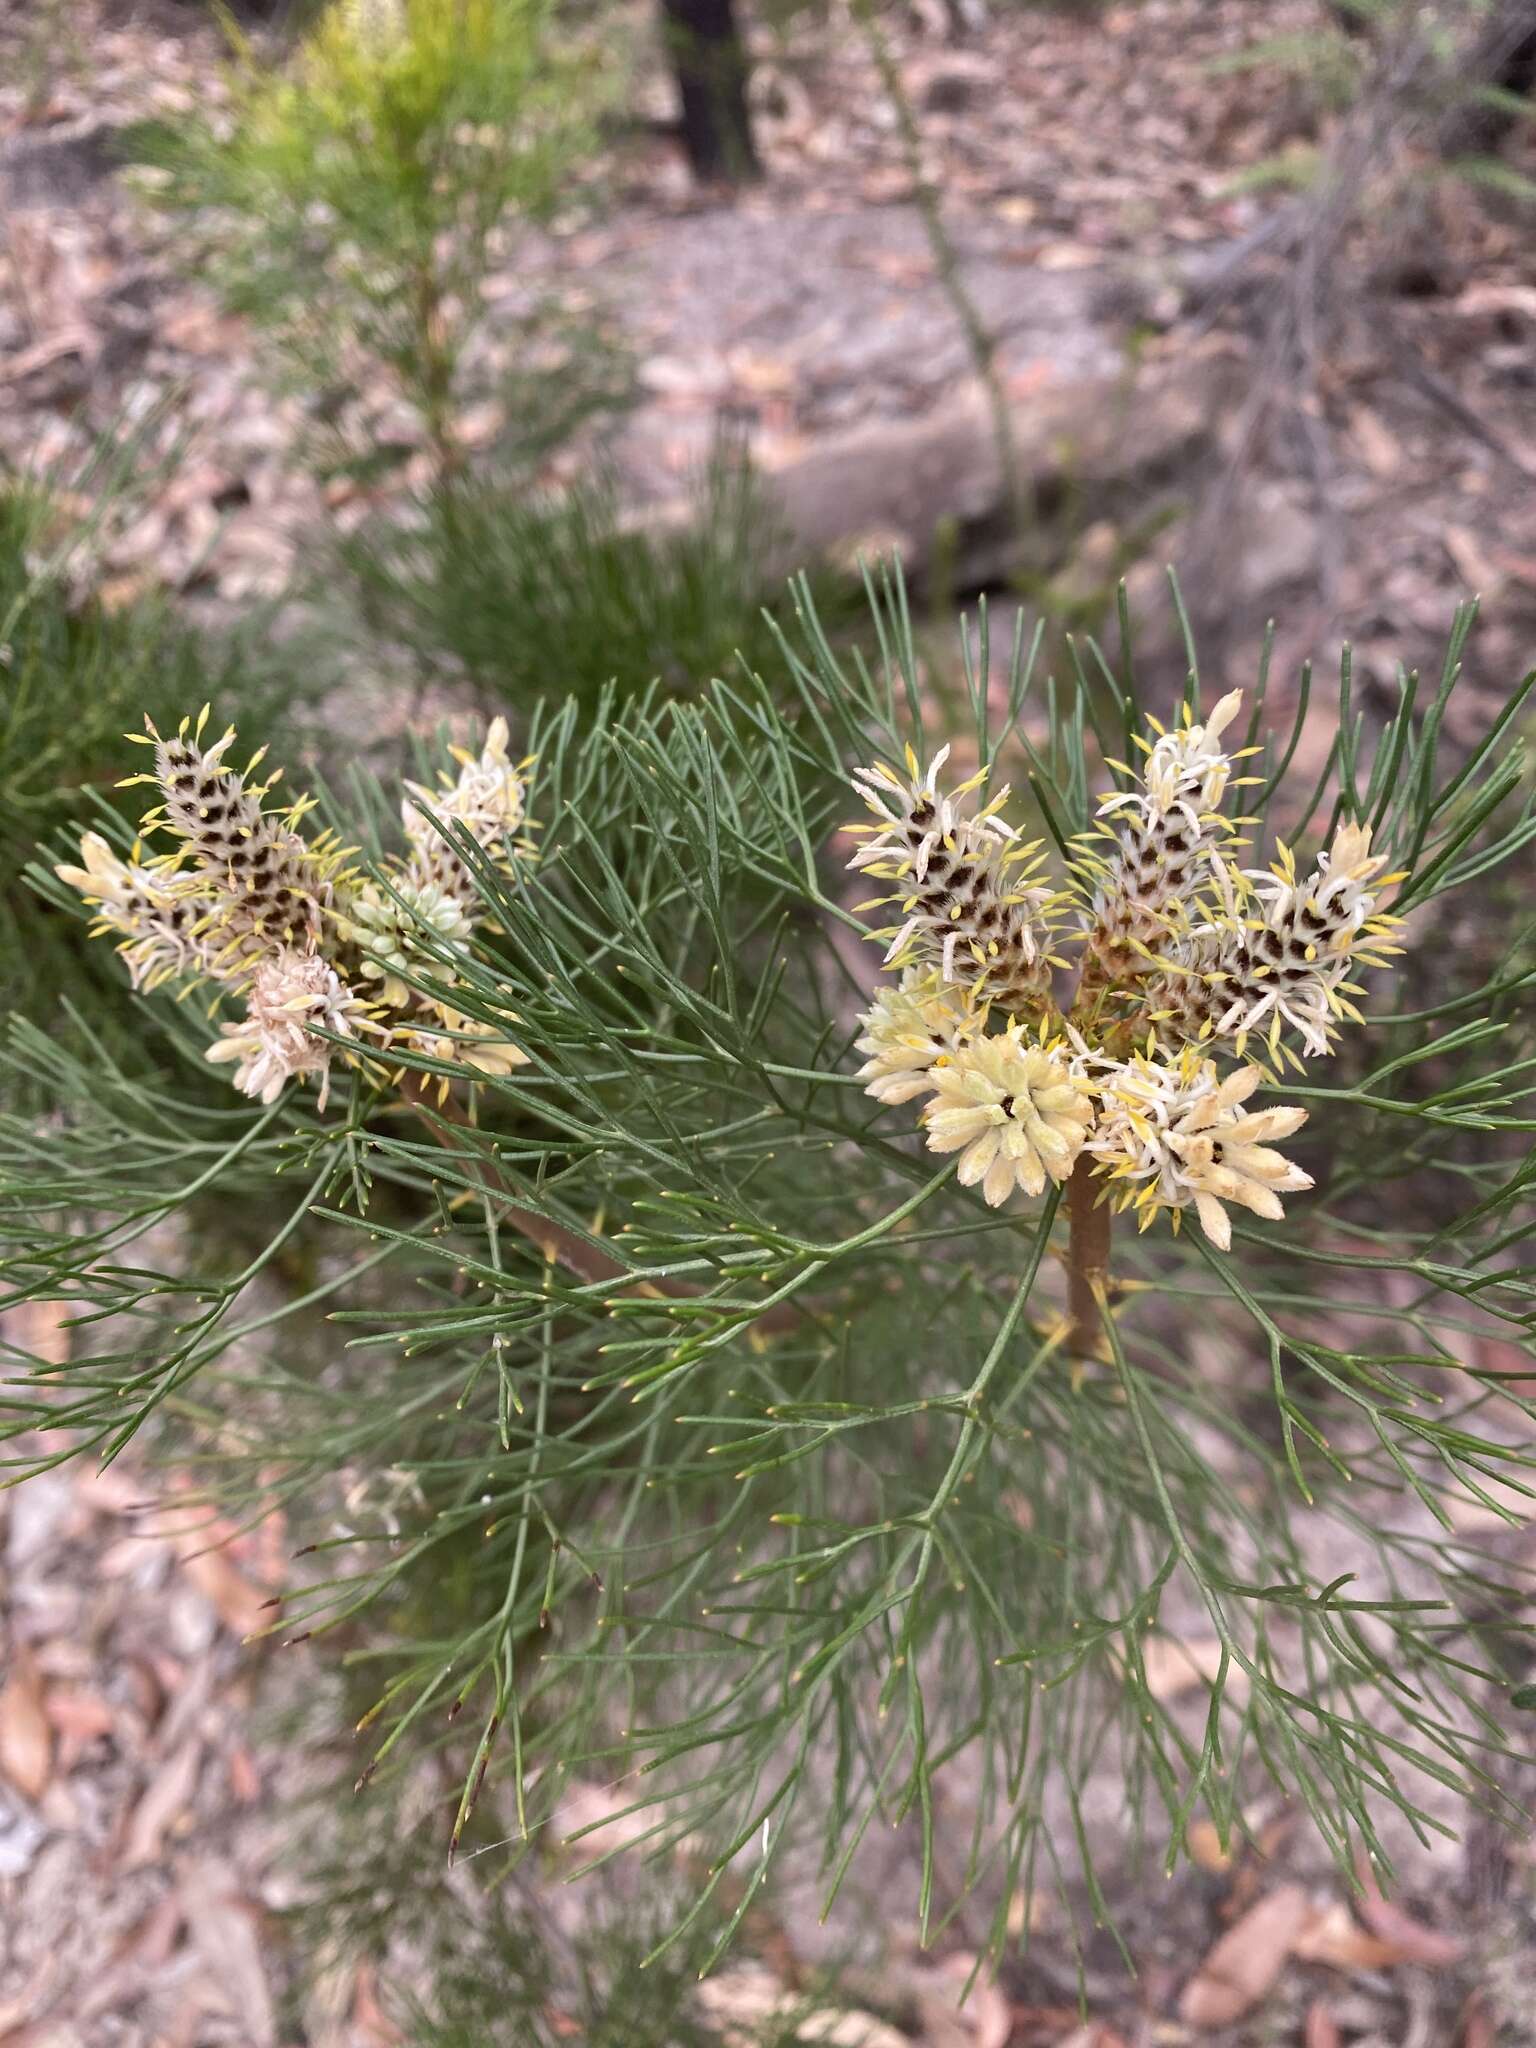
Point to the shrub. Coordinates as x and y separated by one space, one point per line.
532 595
349 199
706 1419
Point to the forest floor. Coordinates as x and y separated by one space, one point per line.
1093 164
1095 167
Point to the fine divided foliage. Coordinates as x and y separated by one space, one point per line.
679 1422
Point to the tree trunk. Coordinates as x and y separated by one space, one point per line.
709 62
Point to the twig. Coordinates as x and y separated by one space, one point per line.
1412 367
1311 234
445 1116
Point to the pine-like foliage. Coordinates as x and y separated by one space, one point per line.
682 1418
349 195
526 594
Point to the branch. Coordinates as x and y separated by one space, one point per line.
1090 1221
444 1114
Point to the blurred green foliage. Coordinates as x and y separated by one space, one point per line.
541 596
350 197
1435 68
499 1958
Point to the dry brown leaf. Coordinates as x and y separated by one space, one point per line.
598 1820
165 1799
153 1941
1204 1846
478 425
1322 2028
197 327
1479 2029
145 1949
886 187
1067 256
1244 1964
18 2009
1035 2024
117 593
78 1717
239 1604
42 355
1333 1936
1497 298
107 1489
1471 562
1030 378
985 2017
1379 447
372 2025
742 2002
897 267
1410 1938
244 1777
223 1925
40 1328
765 376
1509 1362
1469 1513
26 1738
129 1556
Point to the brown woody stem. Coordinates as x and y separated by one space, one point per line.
1089 1222
444 1114
439 1107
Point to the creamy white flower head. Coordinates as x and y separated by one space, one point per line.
970 893
464 1042
1190 763
916 815
1333 900
292 996
270 885
1014 1111
1187 769
489 798
906 1029
105 879
1166 839
158 925
1286 967
390 932
1171 1134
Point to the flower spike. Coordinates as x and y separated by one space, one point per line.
968 890
1186 955
250 902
